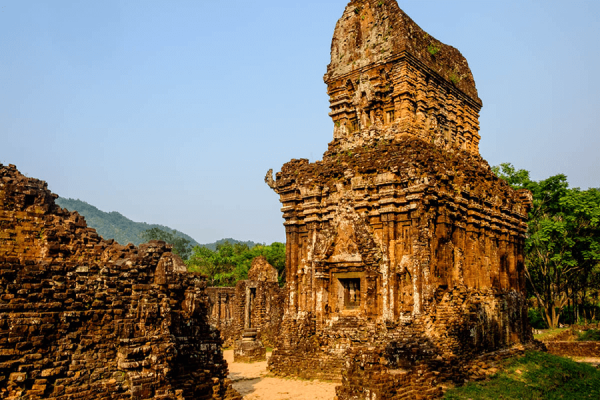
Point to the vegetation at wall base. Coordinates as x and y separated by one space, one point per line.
536 375
591 335
549 334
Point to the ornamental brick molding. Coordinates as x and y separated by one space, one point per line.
404 250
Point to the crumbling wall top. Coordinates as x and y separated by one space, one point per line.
374 32
262 271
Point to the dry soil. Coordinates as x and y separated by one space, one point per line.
253 382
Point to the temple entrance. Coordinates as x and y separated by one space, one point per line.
351 288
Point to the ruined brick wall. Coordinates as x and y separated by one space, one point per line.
81 317
222 313
258 300
388 77
401 238
266 311
573 349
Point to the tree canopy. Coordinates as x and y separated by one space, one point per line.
230 263
562 249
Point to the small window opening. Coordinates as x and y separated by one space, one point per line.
29 200
351 293
353 125
390 116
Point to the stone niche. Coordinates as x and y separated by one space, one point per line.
86 318
404 250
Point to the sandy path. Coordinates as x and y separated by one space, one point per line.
252 383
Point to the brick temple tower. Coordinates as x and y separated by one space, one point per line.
401 239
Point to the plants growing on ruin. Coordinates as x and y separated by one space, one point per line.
536 375
454 78
433 49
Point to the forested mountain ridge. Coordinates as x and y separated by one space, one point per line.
114 225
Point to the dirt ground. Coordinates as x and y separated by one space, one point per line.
252 382
593 361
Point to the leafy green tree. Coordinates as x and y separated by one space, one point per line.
181 246
230 263
563 240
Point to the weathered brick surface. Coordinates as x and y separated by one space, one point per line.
566 344
573 349
258 300
388 77
404 250
222 314
81 317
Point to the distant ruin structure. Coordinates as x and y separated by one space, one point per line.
404 250
252 310
86 318
258 312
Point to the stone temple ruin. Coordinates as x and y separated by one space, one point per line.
86 318
262 313
404 250
404 255
249 315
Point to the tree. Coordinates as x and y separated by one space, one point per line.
181 246
563 239
230 263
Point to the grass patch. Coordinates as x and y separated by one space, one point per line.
592 335
269 349
549 333
536 375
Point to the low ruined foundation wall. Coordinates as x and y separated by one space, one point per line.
573 349
369 374
315 365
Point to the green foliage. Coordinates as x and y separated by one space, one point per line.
536 375
536 319
433 49
562 249
591 335
517 179
549 334
181 246
230 263
113 225
454 78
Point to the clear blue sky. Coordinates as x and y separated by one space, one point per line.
171 112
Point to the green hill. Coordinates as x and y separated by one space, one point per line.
113 225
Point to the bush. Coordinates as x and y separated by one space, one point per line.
592 335
536 319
